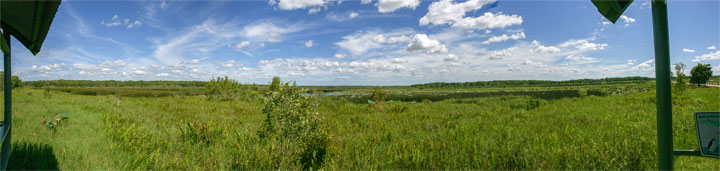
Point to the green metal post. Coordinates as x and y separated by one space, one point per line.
662 79
5 155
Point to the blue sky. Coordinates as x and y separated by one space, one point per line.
387 42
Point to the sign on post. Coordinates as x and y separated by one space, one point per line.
708 132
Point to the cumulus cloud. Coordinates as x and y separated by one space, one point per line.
504 37
709 56
420 42
544 49
162 75
309 43
385 6
447 12
584 44
46 69
712 48
627 20
450 57
117 21
688 50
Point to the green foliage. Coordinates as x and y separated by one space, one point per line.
14 81
700 74
224 88
295 128
274 84
680 83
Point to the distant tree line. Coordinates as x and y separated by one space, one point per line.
113 83
503 83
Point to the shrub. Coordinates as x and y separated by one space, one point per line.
294 129
224 88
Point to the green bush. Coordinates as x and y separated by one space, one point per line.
294 129
224 88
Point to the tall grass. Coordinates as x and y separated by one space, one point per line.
511 132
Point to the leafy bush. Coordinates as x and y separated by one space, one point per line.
294 129
224 88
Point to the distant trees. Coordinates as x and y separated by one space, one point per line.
680 76
14 81
503 83
700 74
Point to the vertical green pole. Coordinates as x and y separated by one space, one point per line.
5 153
662 79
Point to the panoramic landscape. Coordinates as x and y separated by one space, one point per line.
360 85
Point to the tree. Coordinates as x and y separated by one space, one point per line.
274 84
297 132
700 74
680 76
14 81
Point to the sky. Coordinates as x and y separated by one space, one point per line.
368 42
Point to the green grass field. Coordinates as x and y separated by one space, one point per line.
189 131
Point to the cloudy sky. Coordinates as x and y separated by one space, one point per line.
368 42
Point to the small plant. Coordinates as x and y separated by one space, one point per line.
55 122
378 97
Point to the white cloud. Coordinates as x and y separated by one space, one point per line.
385 6
314 10
46 69
229 63
581 59
504 37
353 15
420 42
712 48
134 24
309 43
162 75
242 44
117 21
584 44
194 61
709 56
448 12
544 49
688 50
365 1
606 23
627 20
364 41
340 56
297 4
268 30
451 57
